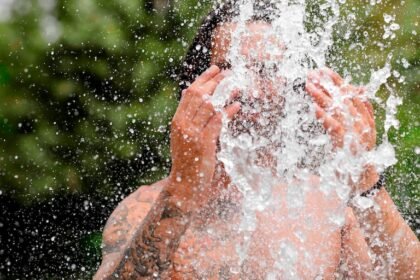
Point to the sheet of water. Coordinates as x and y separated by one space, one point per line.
276 142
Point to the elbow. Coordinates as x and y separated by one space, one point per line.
111 256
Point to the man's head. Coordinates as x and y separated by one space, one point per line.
260 118
211 42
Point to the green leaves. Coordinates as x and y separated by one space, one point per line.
4 75
98 98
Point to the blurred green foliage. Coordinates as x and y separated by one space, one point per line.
90 111
87 92
363 45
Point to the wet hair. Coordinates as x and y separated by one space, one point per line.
198 56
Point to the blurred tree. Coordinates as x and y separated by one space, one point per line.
90 110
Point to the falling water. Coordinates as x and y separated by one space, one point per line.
273 148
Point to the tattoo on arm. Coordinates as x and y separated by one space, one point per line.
117 230
147 245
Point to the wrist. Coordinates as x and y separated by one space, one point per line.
180 194
390 217
375 188
366 198
367 180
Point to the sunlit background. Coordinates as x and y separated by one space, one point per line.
87 91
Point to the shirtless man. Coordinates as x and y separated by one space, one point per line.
156 232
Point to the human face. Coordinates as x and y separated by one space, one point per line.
258 48
258 45
261 51
263 100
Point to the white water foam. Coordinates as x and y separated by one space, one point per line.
276 142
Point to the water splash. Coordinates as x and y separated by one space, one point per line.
273 148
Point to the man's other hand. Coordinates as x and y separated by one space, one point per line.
345 111
194 134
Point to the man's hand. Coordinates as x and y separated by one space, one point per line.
195 130
345 111
360 119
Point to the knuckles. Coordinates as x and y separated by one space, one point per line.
192 90
208 106
176 124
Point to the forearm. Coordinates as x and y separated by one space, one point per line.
152 250
391 239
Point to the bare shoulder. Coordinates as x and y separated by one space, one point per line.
129 214
128 220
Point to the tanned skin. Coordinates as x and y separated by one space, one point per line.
177 201
142 240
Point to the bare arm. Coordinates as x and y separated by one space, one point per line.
395 245
356 261
140 235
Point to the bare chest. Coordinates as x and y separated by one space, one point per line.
299 246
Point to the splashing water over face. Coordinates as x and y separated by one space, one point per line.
276 144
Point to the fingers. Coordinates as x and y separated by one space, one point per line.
364 106
211 133
183 103
212 129
368 129
211 85
322 74
355 117
206 76
333 75
319 95
204 113
333 127
362 123
370 109
319 77
354 105
330 124
195 87
195 103
232 109
236 93
351 108
367 109
364 132
364 111
197 93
